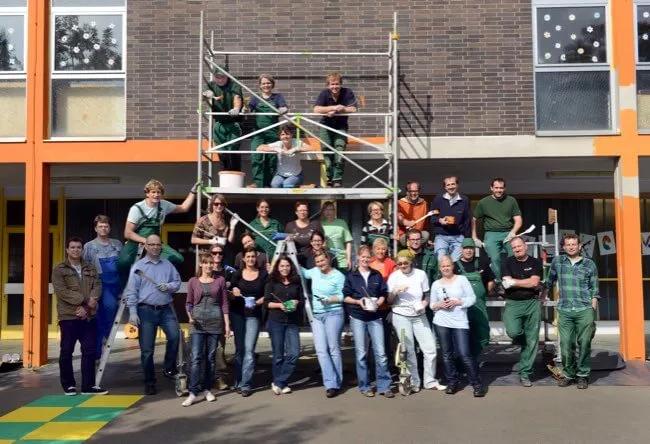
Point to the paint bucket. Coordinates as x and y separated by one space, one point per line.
289 306
231 179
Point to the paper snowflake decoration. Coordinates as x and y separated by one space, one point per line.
93 23
62 64
572 17
596 44
75 27
547 55
558 45
96 46
646 14
86 61
75 49
86 36
573 36
594 59
644 36
113 41
581 51
563 57
112 25
10 47
10 30
12 61
590 29
558 28
547 35
596 15
64 39
547 18
111 62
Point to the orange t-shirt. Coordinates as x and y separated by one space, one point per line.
385 268
411 211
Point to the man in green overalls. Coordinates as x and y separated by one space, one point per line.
146 218
226 96
263 166
478 272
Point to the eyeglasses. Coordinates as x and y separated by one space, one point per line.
154 245
218 204
403 263
215 253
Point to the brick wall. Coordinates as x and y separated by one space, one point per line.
465 66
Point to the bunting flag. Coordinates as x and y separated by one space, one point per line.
606 243
588 242
645 244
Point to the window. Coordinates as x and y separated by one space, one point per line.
88 66
573 80
643 65
13 57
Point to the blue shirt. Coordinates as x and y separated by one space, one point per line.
324 286
139 290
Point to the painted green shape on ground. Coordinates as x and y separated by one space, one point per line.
16 430
59 401
80 414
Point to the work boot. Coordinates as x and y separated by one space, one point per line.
525 381
451 389
149 389
583 382
565 382
480 391
220 384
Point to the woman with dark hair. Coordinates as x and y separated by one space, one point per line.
302 227
212 228
245 313
284 298
327 325
265 225
208 312
247 241
316 245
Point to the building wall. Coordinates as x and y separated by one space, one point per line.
465 66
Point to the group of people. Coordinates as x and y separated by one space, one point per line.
276 162
434 291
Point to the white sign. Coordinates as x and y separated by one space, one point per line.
606 243
645 244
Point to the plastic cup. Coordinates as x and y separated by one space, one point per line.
289 306
369 304
249 301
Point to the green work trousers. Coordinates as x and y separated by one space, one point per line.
263 166
495 247
222 133
334 163
576 327
521 319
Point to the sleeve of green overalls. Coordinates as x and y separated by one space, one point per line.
593 280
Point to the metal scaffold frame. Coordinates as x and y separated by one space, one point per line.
387 190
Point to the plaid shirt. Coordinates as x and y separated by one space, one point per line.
578 283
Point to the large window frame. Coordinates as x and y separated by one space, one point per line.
577 67
21 74
55 75
640 66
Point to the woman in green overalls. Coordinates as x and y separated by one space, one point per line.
480 276
263 166
146 218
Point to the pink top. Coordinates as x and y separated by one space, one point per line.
217 292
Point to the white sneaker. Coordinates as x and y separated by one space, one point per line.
191 398
275 389
415 389
209 396
286 390
436 386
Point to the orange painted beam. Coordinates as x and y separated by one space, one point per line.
18 152
119 151
624 61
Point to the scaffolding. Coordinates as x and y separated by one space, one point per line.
389 152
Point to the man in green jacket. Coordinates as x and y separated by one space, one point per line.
577 279
78 289
501 219
423 258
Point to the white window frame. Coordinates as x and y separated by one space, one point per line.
640 66
17 75
570 67
81 75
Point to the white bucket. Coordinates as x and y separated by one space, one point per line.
231 179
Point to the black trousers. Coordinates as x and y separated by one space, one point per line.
86 333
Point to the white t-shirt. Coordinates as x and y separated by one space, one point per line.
288 164
135 216
417 283
461 289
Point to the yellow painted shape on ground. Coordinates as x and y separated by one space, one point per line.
33 414
118 401
6 441
66 430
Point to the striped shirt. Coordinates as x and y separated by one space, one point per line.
578 282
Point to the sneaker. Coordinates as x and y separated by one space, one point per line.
150 389
191 399
525 381
436 386
286 390
95 390
583 382
388 394
209 396
451 389
275 389
369 394
70 391
480 391
331 393
565 382
245 393
170 374
415 389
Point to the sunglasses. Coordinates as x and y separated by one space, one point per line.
218 204
215 253
403 263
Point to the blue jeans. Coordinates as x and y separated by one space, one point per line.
285 343
375 329
327 328
246 330
204 350
448 245
287 182
454 343
150 320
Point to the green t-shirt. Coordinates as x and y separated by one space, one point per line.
338 234
268 231
497 214
227 94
